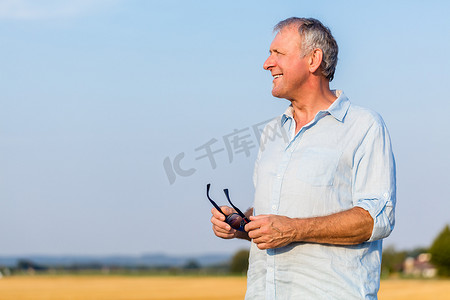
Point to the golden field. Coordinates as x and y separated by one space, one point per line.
178 288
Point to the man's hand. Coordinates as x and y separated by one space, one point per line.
224 230
220 228
271 231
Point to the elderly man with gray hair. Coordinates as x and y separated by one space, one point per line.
325 189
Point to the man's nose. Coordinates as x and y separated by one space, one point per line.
269 63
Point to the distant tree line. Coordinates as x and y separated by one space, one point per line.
392 263
440 252
392 260
236 265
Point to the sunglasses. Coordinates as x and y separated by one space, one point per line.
235 220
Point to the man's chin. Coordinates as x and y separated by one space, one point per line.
277 94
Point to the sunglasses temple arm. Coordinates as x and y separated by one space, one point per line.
237 209
212 202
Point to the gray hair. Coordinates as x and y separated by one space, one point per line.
315 35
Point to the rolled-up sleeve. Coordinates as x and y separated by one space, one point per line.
374 179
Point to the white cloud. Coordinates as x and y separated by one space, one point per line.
49 9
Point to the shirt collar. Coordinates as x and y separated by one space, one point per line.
289 113
338 109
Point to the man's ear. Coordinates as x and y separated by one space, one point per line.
315 60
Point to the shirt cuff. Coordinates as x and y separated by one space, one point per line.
381 210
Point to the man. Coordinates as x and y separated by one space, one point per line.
325 194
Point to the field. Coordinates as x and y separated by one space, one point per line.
178 288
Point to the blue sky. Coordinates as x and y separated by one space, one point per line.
96 95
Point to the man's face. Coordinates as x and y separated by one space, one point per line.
286 64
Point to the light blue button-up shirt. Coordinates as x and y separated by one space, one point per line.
341 159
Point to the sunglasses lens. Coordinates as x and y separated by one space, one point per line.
234 220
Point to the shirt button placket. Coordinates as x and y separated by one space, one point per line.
275 205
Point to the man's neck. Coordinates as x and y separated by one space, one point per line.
309 103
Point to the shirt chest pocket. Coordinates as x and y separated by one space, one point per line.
317 166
